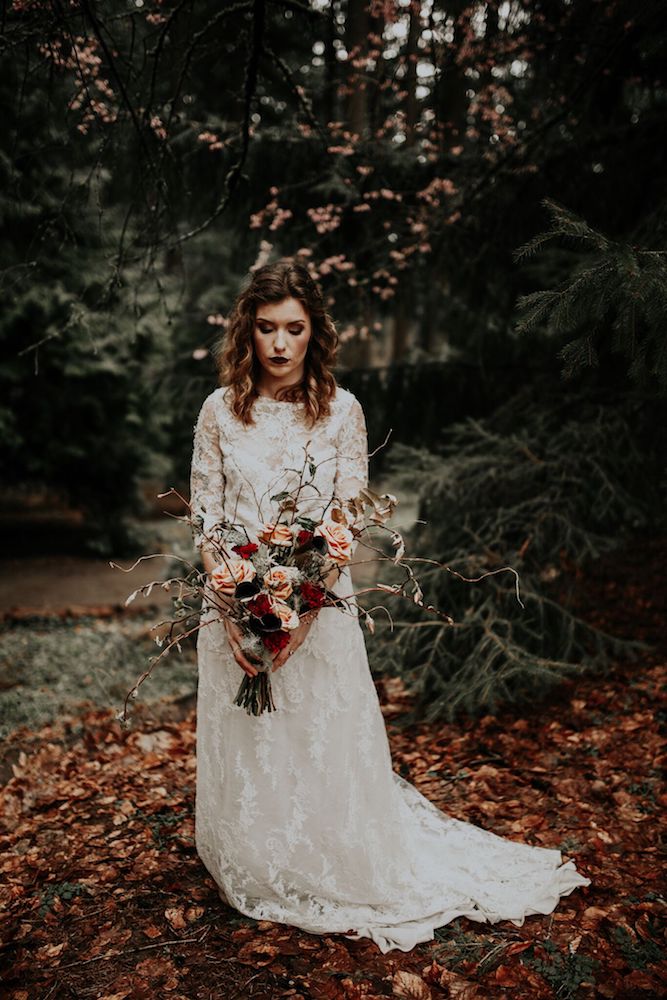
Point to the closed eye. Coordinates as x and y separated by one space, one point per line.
296 332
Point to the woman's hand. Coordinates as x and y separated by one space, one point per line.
222 605
297 637
235 635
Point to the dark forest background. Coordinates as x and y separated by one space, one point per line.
480 189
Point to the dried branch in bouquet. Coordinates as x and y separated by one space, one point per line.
402 562
178 629
269 583
545 484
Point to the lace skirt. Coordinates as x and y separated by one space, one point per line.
301 819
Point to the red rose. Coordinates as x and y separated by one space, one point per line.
260 605
303 536
275 641
245 551
312 595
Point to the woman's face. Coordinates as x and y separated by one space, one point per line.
282 330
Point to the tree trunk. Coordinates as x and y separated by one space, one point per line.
357 26
401 327
449 99
412 55
330 66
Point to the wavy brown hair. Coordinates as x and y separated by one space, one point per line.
235 356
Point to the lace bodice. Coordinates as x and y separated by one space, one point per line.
237 468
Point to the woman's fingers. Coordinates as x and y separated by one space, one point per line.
235 635
296 640
249 667
277 662
283 656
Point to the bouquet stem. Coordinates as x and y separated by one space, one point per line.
254 694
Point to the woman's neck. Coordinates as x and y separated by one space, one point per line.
270 392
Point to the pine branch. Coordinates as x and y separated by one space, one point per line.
560 491
612 301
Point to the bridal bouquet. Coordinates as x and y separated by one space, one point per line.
269 585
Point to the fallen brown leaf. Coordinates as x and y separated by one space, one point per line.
176 918
257 953
458 987
410 986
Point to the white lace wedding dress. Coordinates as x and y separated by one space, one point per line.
300 817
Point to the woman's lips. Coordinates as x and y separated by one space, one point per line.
279 361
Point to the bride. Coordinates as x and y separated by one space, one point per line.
299 815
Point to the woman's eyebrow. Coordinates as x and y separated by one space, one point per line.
290 322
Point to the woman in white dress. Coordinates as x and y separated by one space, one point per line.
299 815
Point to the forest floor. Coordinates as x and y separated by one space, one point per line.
104 895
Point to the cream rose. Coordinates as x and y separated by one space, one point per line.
226 577
275 534
339 540
279 580
288 616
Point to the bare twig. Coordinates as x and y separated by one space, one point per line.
130 951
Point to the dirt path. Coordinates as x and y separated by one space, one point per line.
52 583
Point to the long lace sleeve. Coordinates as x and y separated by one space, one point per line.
352 455
207 478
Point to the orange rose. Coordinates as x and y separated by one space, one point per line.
288 616
279 581
226 576
275 534
339 540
